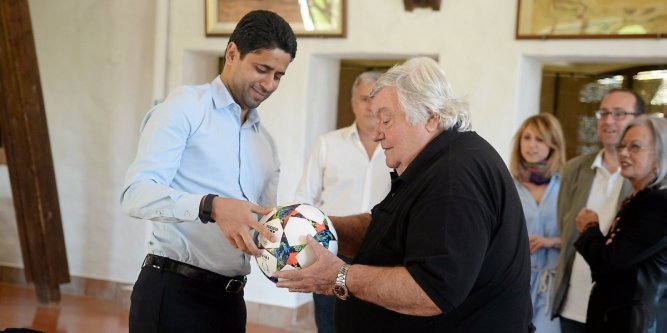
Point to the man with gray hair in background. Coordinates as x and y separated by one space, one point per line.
447 249
345 174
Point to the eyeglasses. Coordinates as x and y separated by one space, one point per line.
617 115
633 148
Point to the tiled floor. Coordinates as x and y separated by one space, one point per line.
19 309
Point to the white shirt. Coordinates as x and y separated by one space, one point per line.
603 199
340 179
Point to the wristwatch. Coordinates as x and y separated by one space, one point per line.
340 288
207 209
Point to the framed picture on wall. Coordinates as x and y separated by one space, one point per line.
308 18
560 19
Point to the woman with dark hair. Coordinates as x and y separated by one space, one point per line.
629 265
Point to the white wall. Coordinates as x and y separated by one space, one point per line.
96 61
96 64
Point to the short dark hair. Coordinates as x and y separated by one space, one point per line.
640 104
263 29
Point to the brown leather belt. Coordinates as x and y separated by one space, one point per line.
233 285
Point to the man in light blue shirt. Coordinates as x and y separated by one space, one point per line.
204 168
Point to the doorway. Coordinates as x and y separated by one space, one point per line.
349 70
573 92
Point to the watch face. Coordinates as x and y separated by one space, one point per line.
340 292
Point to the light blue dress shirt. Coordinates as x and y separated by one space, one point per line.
541 221
193 144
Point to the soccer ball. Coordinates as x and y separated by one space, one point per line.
292 224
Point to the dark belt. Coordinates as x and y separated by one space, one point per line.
232 284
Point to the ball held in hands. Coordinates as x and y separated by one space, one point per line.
291 226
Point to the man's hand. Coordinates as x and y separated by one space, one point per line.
319 277
236 219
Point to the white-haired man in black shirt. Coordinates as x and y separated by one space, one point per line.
447 249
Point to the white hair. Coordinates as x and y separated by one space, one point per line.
423 91
659 128
368 76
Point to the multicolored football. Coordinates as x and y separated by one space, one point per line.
292 224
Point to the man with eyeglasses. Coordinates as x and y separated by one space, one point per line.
591 181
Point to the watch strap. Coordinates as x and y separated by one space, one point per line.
207 209
340 289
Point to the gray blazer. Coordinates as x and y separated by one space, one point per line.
576 181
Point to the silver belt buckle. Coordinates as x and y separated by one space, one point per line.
154 265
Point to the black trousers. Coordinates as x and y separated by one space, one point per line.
163 301
571 326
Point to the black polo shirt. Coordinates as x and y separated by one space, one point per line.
454 220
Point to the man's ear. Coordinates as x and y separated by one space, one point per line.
433 122
232 52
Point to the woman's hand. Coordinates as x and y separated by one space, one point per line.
585 217
539 242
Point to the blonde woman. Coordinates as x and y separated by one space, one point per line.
538 155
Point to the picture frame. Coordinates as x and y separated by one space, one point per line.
574 19
308 18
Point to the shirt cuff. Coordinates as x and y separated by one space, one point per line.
187 207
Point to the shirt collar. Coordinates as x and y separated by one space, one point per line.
432 149
396 181
597 162
222 99
351 132
598 167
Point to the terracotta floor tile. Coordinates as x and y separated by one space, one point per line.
74 314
